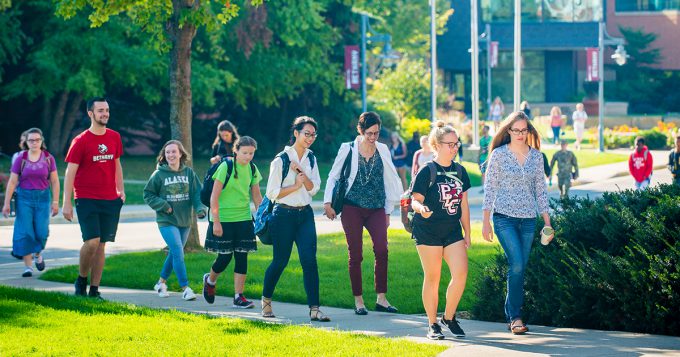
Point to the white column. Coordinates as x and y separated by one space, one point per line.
517 55
474 64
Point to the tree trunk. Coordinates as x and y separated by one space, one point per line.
45 116
57 122
71 117
181 37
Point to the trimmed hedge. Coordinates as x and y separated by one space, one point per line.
614 265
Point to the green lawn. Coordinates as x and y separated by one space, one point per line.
40 323
589 158
140 271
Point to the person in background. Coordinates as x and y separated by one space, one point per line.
22 144
33 176
496 112
579 117
515 192
224 141
484 142
641 164
524 106
422 156
399 153
567 168
556 123
173 191
411 147
674 160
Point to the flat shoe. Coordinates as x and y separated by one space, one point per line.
382 308
361 311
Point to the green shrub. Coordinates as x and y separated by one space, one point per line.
654 139
614 141
615 265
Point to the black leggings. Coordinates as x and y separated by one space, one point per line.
240 263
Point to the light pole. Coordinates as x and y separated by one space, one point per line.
364 21
620 56
517 55
433 58
474 64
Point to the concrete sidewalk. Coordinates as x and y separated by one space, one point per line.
483 338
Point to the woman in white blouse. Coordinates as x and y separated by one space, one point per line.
373 189
293 219
579 117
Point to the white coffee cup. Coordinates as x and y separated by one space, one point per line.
546 235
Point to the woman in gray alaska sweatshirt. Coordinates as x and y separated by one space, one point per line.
172 191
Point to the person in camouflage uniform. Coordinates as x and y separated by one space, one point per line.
567 168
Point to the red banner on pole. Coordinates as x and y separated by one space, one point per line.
352 75
592 64
493 54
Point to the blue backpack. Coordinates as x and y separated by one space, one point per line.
264 212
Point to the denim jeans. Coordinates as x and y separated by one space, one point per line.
175 238
516 236
644 184
31 226
293 226
556 133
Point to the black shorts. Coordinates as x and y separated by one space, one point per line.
436 235
98 218
236 237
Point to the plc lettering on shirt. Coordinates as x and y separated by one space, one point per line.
98 158
176 179
450 194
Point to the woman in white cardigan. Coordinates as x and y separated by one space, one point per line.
373 190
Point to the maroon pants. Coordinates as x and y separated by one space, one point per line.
354 219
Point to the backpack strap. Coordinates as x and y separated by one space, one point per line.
312 159
285 165
253 169
346 166
433 173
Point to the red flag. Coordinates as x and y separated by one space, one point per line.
352 75
592 64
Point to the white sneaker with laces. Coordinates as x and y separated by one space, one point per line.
161 289
188 294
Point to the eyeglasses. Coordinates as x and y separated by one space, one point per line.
452 145
310 135
371 133
33 141
519 132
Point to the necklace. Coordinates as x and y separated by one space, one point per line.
365 174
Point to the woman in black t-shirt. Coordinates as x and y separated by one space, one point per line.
441 208
224 141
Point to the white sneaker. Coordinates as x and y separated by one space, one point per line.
161 289
188 294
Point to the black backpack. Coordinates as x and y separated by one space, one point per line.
206 190
405 204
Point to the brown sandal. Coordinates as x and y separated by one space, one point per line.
518 328
267 311
316 315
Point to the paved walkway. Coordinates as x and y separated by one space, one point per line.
483 338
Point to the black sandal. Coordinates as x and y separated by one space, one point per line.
316 315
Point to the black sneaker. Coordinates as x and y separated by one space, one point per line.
28 272
208 290
95 295
81 287
242 303
454 327
40 263
434 332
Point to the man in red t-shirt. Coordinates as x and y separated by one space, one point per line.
641 164
95 176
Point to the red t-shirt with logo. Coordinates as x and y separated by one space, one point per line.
96 156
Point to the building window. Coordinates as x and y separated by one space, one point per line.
533 76
543 10
646 5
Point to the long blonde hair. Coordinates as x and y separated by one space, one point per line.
555 111
503 135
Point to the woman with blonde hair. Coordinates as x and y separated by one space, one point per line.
556 123
514 192
441 227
